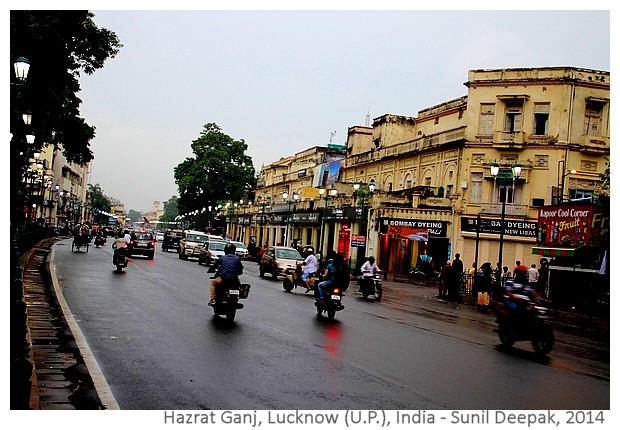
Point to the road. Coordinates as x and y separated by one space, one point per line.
159 346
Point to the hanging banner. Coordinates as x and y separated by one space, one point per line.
411 233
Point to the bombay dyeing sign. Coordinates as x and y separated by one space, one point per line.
570 225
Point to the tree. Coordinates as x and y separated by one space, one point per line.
220 171
606 177
134 216
171 210
99 202
59 45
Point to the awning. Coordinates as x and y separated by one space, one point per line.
553 252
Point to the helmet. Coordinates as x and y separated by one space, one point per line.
230 248
309 250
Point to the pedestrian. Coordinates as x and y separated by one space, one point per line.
470 278
532 276
543 276
450 277
519 273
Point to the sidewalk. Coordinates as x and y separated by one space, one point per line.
60 379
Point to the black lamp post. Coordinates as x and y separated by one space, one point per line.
504 181
262 221
288 213
564 174
364 194
332 192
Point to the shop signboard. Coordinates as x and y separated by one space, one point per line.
435 228
572 225
358 241
493 226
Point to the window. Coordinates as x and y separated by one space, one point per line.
427 181
591 125
580 194
541 119
475 193
487 118
514 118
589 165
541 161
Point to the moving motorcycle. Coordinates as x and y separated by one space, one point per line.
371 286
521 317
332 302
294 280
99 241
227 295
120 258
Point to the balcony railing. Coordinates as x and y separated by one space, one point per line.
511 209
511 138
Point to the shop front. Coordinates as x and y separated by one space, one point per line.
403 241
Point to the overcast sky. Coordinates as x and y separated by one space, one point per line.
284 81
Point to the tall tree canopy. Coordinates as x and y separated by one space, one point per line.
220 171
171 209
59 46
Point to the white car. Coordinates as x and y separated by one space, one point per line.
241 250
159 237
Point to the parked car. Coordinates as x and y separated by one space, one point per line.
171 240
142 243
190 244
241 250
279 261
211 251
159 237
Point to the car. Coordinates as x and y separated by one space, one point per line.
279 261
190 244
171 240
241 250
142 243
159 236
211 251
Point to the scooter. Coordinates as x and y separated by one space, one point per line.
227 297
120 259
371 286
519 318
294 280
99 241
332 302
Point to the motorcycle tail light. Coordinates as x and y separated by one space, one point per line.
336 290
152 243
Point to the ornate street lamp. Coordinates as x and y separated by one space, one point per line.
332 192
364 194
504 181
288 213
21 66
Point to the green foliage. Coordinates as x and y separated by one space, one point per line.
171 209
606 177
134 216
220 171
60 45
97 198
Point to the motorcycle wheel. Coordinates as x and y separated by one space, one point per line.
230 316
288 285
543 344
378 293
418 278
331 313
505 337
119 268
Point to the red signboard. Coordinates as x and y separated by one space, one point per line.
571 225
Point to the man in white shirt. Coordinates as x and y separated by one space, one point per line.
312 266
532 275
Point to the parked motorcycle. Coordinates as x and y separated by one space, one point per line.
371 286
522 318
99 241
120 259
332 302
294 280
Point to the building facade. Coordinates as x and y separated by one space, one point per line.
434 188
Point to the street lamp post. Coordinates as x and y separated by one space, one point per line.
564 174
504 181
262 220
364 195
288 213
332 193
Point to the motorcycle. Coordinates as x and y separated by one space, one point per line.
371 286
227 295
522 318
99 241
294 280
332 302
120 258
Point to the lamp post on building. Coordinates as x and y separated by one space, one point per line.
364 193
564 174
288 213
322 191
262 220
504 181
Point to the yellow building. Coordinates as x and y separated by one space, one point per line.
432 173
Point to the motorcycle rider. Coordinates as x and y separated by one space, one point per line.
312 266
230 267
368 269
330 276
120 247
